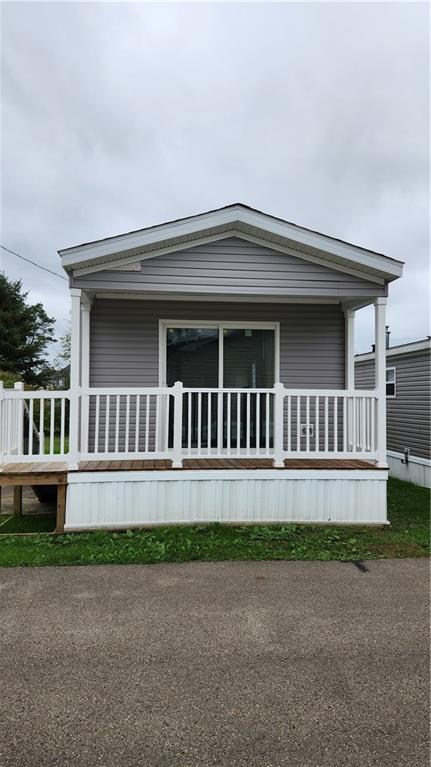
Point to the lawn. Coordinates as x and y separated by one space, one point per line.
407 536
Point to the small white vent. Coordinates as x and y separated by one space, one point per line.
135 267
304 429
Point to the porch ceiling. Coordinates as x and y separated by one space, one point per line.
234 220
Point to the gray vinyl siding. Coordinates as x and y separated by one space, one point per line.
232 265
124 339
409 413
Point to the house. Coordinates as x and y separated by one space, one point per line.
408 407
212 378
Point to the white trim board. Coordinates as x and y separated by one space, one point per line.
215 297
229 219
184 475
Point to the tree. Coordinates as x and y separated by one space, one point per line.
63 356
25 332
62 362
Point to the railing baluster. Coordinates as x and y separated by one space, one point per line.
62 419
157 425
238 423
229 421
373 423
209 423
51 425
147 423
367 425
137 420
267 417
96 424
41 427
107 417
364 445
316 427
117 422
345 424
30 427
220 422
335 424
257 429
169 402
247 443
199 420
307 424
326 425
126 437
353 425
189 423
298 424
289 419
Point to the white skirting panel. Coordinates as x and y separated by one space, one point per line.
418 470
127 499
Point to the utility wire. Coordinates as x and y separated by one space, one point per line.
39 266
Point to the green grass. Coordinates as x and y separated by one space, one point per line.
57 444
408 536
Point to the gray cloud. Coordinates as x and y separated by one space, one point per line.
119 116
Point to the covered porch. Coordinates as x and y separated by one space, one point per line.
181 420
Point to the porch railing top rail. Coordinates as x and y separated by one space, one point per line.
154 390
34 394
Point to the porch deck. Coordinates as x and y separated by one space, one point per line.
36 471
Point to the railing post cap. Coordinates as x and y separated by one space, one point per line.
19 385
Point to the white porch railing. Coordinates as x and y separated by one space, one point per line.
34 425
177 422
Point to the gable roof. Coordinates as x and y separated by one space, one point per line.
232 220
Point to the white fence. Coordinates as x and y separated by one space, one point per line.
177 422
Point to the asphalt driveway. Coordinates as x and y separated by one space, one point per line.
254 664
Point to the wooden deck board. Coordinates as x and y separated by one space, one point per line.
43 467
227 463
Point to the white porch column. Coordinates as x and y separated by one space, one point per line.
349 342
380 377
75 376
85 369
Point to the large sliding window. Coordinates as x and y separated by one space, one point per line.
219 355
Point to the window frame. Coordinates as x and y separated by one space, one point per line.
221 325
392 383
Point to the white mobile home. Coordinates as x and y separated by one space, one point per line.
212 378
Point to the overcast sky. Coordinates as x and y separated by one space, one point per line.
119 116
